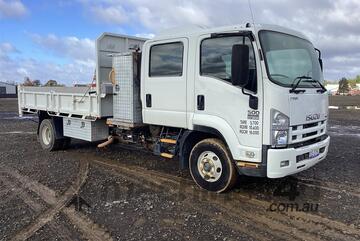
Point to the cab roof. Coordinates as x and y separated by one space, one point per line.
197 30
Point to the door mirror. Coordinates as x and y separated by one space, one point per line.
240 65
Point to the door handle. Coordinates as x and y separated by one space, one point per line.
201 102
148 100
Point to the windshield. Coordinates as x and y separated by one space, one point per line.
288 57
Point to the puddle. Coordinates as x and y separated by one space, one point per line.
350 107
15 116
17 132
338 130
20 118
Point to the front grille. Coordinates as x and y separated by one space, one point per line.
305 132
310 125
309 134
309 142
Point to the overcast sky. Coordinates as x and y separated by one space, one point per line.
55 39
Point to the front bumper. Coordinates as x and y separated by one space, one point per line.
298 159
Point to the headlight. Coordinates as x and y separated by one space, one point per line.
279 120
279 128
280 138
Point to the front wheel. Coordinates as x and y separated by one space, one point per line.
211 166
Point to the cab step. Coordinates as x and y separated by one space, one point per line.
166 155
168 141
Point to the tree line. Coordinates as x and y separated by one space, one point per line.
29 82
345 85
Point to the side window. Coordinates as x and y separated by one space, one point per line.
166 59
216 59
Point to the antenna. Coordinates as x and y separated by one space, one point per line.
252 15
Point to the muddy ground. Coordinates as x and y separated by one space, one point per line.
339 100
122 193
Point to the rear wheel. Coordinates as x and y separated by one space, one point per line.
211 166
47 136
66 143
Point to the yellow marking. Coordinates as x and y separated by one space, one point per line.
247 164
166 155
169 141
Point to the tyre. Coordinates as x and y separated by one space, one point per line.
211 166
47 136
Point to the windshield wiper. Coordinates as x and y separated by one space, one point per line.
298 79
323 89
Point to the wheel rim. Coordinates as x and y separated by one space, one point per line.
209 166
46 135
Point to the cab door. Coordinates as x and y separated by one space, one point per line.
164 93
223 105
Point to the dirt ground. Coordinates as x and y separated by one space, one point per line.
339 100
123 193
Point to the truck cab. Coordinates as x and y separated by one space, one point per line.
256 88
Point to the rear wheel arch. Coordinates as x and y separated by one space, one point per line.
58 123
47 136
42 115
61 142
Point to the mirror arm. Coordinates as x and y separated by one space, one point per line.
243 91
253 100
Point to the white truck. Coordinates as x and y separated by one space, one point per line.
227 101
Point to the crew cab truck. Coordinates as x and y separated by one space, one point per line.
227 101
